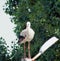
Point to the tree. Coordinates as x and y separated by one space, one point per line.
45 20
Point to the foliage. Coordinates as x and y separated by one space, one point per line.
3 50
45 20
17 52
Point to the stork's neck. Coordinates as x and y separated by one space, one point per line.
28 27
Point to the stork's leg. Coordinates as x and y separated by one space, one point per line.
24 51
29 50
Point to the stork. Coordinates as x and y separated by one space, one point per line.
26 36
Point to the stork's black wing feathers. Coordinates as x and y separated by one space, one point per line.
21 38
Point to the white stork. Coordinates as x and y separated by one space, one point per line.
26 36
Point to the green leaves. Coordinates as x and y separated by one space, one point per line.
3 49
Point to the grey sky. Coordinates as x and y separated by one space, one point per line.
6 27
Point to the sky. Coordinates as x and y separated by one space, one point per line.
6 27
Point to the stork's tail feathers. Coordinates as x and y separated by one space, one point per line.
21 38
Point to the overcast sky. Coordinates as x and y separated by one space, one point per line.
6 27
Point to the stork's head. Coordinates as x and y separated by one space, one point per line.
28 24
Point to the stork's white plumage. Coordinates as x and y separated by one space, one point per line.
27 35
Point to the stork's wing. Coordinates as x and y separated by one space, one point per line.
22 36
23 33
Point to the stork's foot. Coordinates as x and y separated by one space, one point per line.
27 59
23 59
